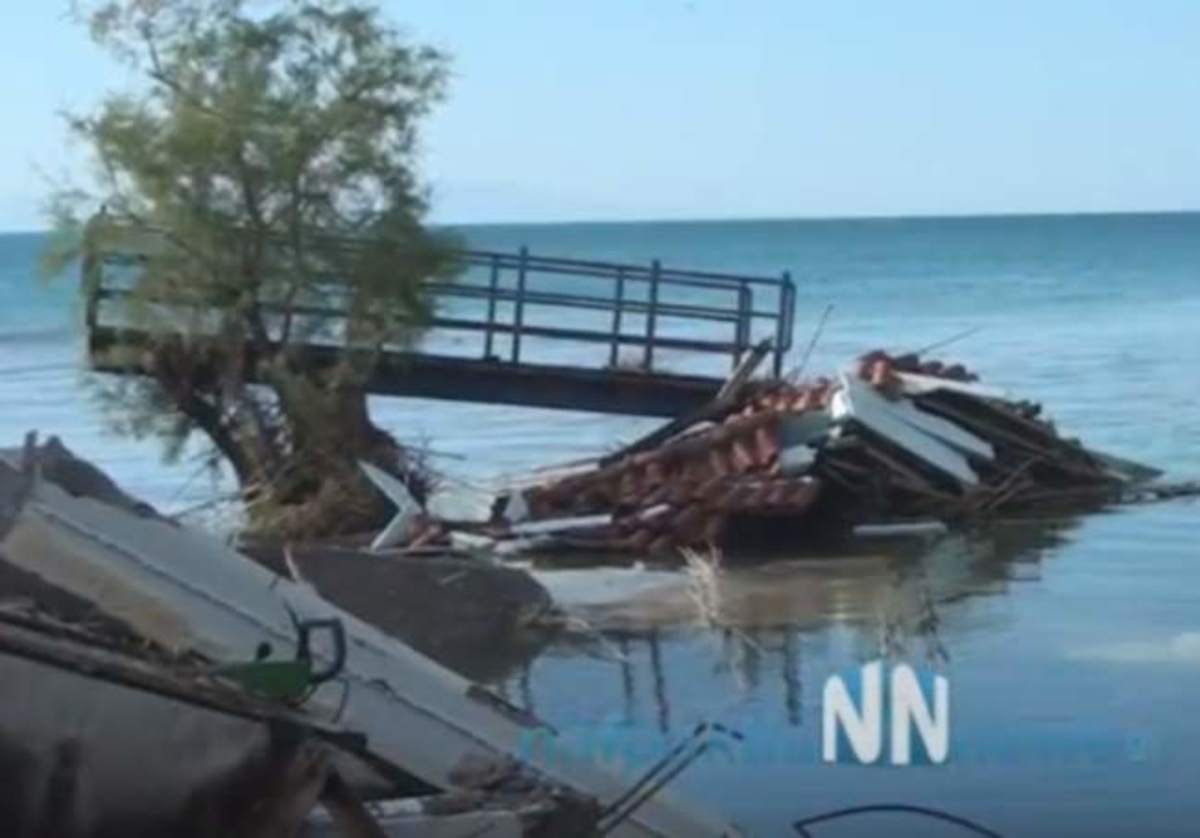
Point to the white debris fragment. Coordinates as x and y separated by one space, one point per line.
400 529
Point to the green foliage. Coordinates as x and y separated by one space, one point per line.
260 141
266 173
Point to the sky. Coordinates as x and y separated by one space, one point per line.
570 110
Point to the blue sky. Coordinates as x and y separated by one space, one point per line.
634 109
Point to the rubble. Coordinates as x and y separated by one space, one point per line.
478 618
895 443
162 746
296 677
330 642
167 746
189 598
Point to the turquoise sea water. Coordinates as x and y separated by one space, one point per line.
1072 647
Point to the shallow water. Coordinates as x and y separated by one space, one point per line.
1072 648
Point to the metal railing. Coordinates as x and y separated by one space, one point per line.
641 291
498 293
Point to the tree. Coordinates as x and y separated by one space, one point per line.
272 154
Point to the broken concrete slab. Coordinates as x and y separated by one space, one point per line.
194 594
96 740
474 617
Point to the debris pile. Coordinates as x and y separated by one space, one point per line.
224 698
894 440
109 737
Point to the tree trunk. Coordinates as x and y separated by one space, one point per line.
297 463
320 490
175 371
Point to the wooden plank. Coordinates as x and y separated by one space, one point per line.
744 370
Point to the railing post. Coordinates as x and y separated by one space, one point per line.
651 315
92 271
783 324
742 337
519 305
616 324
93 278
493 286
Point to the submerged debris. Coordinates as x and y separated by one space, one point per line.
895 440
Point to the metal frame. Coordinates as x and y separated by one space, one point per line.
756 306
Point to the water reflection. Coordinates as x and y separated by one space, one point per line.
885 596
1070 647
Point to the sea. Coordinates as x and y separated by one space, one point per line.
1071 647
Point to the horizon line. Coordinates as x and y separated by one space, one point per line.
916 216
755 219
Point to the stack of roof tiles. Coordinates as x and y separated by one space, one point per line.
777 449
684 492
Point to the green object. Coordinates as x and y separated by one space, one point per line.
287 681
290 681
